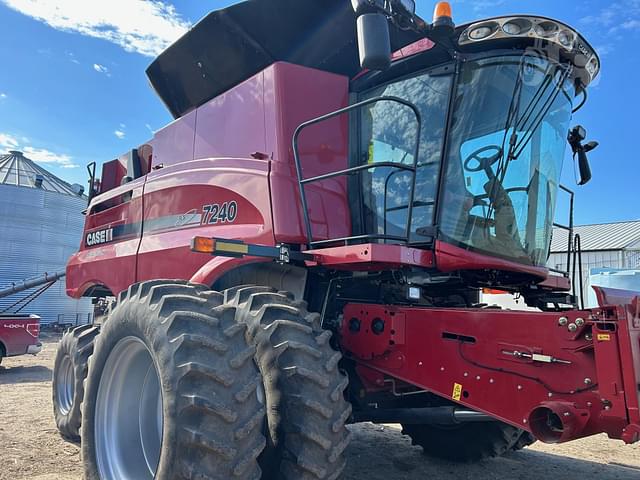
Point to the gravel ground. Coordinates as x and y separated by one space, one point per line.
30 447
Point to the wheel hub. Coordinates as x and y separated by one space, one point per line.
128 414
65 385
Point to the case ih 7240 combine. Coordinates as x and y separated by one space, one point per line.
341 180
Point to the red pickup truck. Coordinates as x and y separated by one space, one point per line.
19 335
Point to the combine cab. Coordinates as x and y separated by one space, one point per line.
305 245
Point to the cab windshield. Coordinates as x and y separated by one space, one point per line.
506 142
506 145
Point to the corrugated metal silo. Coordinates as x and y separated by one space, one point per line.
41 225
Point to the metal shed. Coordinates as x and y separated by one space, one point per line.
41 224
604 245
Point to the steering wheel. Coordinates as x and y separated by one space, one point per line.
483 162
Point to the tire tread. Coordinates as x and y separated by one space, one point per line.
307 425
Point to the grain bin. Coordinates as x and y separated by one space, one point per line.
41 225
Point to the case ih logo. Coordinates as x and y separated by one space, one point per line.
101 236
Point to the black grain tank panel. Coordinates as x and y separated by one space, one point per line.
228 46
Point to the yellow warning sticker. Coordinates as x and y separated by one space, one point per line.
457 391
604 337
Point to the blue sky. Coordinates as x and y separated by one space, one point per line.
73 88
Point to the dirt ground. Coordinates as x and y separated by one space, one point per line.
30 447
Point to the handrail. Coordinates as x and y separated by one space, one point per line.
568 228
302 181
359 168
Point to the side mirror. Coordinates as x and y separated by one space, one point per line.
374 44
576 136
584 169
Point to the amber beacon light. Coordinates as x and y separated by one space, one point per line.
442 15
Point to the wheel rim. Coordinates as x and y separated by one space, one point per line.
128 415
65 385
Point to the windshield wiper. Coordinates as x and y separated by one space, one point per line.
528 122
559 76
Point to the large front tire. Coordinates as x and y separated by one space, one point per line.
304 388
173 391
69 372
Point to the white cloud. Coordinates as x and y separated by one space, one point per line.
3 95
72 58
612 25
40 155
631 25
143 26
120 132
623 14
8 142
101 69
481 6
604 50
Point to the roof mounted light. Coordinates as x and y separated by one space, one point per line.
481 32
442 9
546 29
542 33
518 26
511 28
442 16
566 38
592 66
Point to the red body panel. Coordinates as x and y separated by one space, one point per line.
173 212
629 305
18 333
225 130
450 258
110 264
371 256
301 94
112 173
209 158
463 355
174 143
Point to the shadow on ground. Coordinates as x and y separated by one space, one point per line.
24 374
378 453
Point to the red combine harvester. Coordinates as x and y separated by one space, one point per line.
331 211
